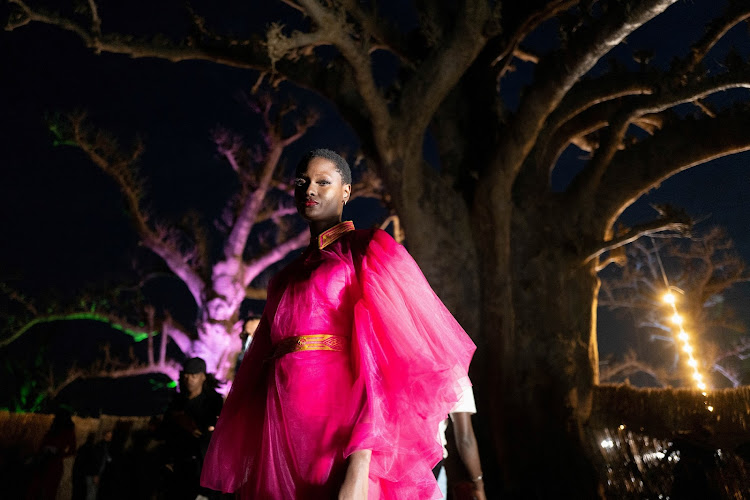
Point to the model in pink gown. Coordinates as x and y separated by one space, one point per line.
391 375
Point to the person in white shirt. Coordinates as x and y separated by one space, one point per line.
466 443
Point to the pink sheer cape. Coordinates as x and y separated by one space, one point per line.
288 424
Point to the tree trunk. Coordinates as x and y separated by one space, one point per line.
549 368
538 315
438 235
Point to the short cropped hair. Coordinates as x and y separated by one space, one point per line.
342 167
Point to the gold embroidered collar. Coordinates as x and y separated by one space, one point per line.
330 235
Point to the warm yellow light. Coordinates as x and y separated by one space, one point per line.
710 408
677 319
702 387
697 376
704 393
683 336
622 427
687 348
668 298
692 362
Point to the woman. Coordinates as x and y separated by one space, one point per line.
353 365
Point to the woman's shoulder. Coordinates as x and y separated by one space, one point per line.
374 234
365 240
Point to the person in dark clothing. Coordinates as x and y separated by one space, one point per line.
100 458
58 444
188 424
91 462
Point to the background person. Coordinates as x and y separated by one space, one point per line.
188 425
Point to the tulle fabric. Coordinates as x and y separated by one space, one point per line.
289 424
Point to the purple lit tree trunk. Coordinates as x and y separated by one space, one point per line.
218 288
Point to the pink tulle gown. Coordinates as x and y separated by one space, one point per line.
389 370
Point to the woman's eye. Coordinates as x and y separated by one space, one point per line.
323 182
299 182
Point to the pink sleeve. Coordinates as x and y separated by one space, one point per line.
410 356
238 428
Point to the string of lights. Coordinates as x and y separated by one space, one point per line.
681 336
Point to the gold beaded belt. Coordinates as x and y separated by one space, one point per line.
317 342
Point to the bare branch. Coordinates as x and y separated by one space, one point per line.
643 165
439 73
385 38
19 298
530 23
248 55
228 145
177 333
736 13
671 222
105 154
114 321
294 5
631 365
276 213
559 73
254 268
111 368
526 55
252 205
333 29
96 22
398 231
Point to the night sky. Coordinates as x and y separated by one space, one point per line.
63 224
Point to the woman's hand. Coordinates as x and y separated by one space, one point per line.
478 493
357 476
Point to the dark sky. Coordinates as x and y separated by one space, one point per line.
63 224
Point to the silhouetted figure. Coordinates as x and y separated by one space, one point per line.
58 443
101 457
695 472
188 424
81 465
145 459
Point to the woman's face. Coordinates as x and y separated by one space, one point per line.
320 193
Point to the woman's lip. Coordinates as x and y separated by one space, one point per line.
310 203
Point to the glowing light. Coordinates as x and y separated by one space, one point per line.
710 408
656 455
682 335
622 427
607 443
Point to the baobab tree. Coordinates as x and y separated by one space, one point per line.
256 236
699 270
515 259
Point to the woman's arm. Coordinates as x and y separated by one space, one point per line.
357 473
466 442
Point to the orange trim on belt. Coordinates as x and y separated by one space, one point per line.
316 342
